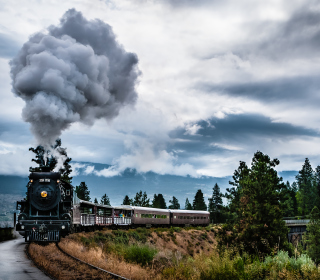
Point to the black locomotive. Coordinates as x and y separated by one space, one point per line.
46 213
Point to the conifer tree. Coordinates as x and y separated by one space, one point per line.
174 203
159 202
294 190
127 200
141 199
188 205
234 193
105 200
95 200
317 186
198 202
82 191
258 226
215 205
305 181
287 202
313 235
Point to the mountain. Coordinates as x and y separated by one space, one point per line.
130 182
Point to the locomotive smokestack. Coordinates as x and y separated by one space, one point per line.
77 72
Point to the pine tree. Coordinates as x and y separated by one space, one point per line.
258 226
317 186
105 200
141 199
127 201
174 203
82 191
95 200
313 235
198 202
188 205
145 201
294 190
234 193
287 203
215 205
159 202
305 181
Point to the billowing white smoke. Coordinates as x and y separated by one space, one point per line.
77 72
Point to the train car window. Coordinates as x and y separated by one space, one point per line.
68 192
175 217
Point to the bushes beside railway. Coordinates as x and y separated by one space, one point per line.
233 266
127 244
6 234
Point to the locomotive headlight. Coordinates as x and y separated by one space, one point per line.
22 227
44 194
63 227
58 181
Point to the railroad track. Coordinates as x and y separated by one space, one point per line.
113 275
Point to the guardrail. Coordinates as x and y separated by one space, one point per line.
87 219
122 221
102 220
297 222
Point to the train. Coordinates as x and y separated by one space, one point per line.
52 210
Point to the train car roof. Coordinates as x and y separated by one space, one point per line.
188 211
94 204
129 207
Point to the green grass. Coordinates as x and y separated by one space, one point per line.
141 254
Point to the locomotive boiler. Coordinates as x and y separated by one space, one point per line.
46 213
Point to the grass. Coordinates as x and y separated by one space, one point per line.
59 266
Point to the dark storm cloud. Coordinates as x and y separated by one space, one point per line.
300 89
8 47
77 72
235 129
298 37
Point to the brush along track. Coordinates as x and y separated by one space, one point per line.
26 250
113 275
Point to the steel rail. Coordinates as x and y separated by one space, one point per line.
115 276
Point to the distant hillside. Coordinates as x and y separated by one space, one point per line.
131 182
13 184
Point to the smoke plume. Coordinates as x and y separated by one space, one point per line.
76 72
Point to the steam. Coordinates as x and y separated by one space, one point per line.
77 72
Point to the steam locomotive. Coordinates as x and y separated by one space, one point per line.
46 213
52 210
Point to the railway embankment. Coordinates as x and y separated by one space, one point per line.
134 254
167 253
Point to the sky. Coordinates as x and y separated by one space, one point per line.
215 82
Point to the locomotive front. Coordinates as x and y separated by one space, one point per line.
45 215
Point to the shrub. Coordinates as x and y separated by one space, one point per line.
142 254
